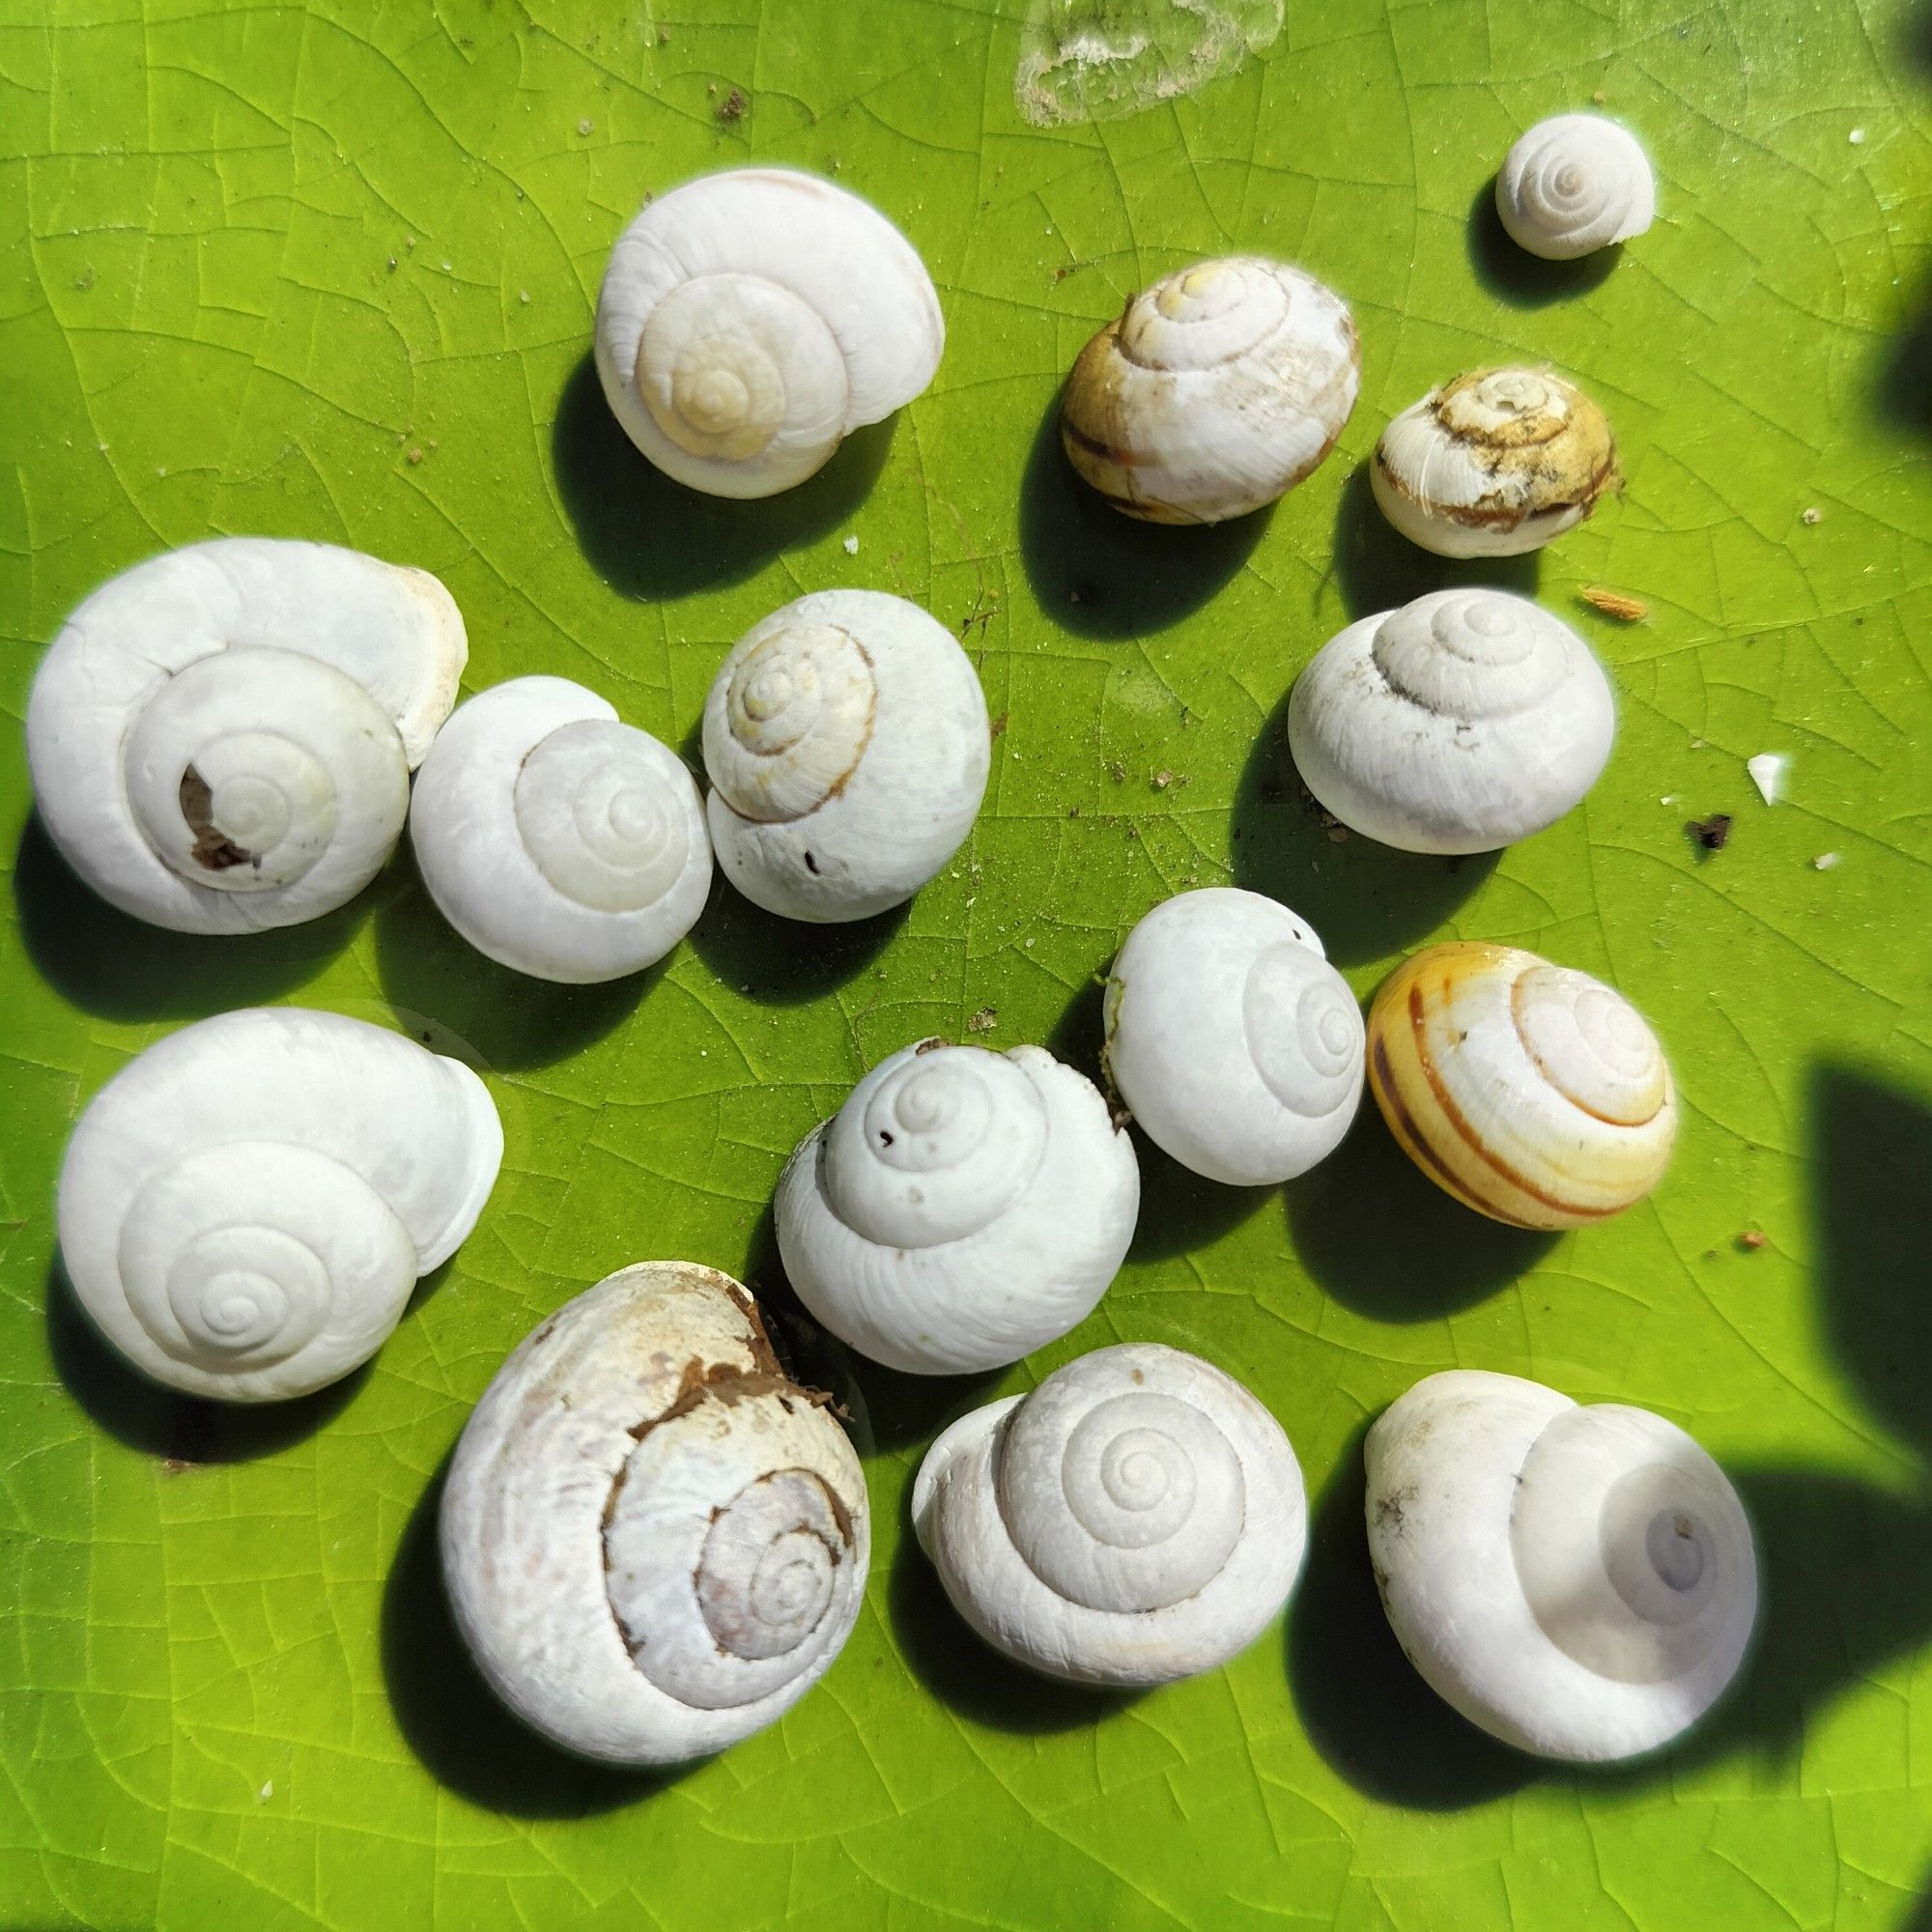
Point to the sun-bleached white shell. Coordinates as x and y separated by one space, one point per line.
847 745
1219 387
655 1542
1463 721
1233 1041
556 839
961 1208
1575 184
245 1207
1138 1517
750 320
1579 1582
222 737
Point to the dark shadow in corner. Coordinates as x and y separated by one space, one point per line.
785 962
1904 382
1513 274
1914 32
649 537
1104 574
120 968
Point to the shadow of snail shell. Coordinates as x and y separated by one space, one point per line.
960 1209
1531 1092
750 320
1578 1582
245 1207
1496 463
1219 389
222 737
1463 721
655 1542
1136 1519
1572 185
556 839
847 745
1233 1041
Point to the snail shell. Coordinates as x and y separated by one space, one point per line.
1219 389
222 737
1460 723
1233 1041
1578 1582
1572 185
655 1542
1138 1517
847 744
1531 1092
557 840
750 320
1496 463
245 1207
961 1208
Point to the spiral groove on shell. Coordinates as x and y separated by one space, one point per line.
1575 184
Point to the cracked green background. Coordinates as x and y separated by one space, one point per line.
331 273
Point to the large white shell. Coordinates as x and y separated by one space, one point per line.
1580 1582
1575 184
246 1206
847 745
960 1209
1462 722
655 1542
750 320
1234 1042
1138 1517
554 839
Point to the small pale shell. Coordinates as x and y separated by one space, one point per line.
1575 184
1531 1092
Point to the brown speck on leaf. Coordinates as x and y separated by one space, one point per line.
1712 834
1161 780
984 1021
1338 835
731 109
1073 812
1614 602
415 455
664 37
998 726
1751 1241
1600 96
1116 771
1813 514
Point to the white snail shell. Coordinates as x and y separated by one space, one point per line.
246 1206
847 745
750 320
1219 387
1575 184
960 1209
557 840
1578 1582
1233 1041
1463 721
222 737
1493 463
655 1542
1138 1517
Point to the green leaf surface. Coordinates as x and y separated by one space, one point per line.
329 272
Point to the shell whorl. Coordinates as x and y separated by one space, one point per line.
1575 184
1472 654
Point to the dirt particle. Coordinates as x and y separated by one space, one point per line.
1116 771
984 1021
1751 1241
1161 780
1814 515
731 109
1618 604
415 455
585 126
998 726
1713 834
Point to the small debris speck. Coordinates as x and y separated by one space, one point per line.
1825 860
1116 771
392 264
731 109
1750 1240
1813 514
415 455
584 126
266 1792
1767 773
1668 798
1713 834
449 267
1161 780
1857 137
408 241
998 728
1614 602
1338 835
522 295
984 1021
664 37
1600 96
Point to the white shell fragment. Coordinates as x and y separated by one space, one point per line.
847 745
1463 721
559 842
1233 1041
246 1206
1767 772
655 1542
750 320
961 1208
1136 1519
1578 1582
222 737
1572 185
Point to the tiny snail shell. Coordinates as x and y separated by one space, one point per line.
1219 389
1496 463
847 745
750 320
1572 185
655 1541
560 842
1531 1092
245 1209
960 1209
1460 723
1138 1517
222 737
1578 1582
1232 1040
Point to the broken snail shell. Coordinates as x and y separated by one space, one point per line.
655 1542
1572 185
